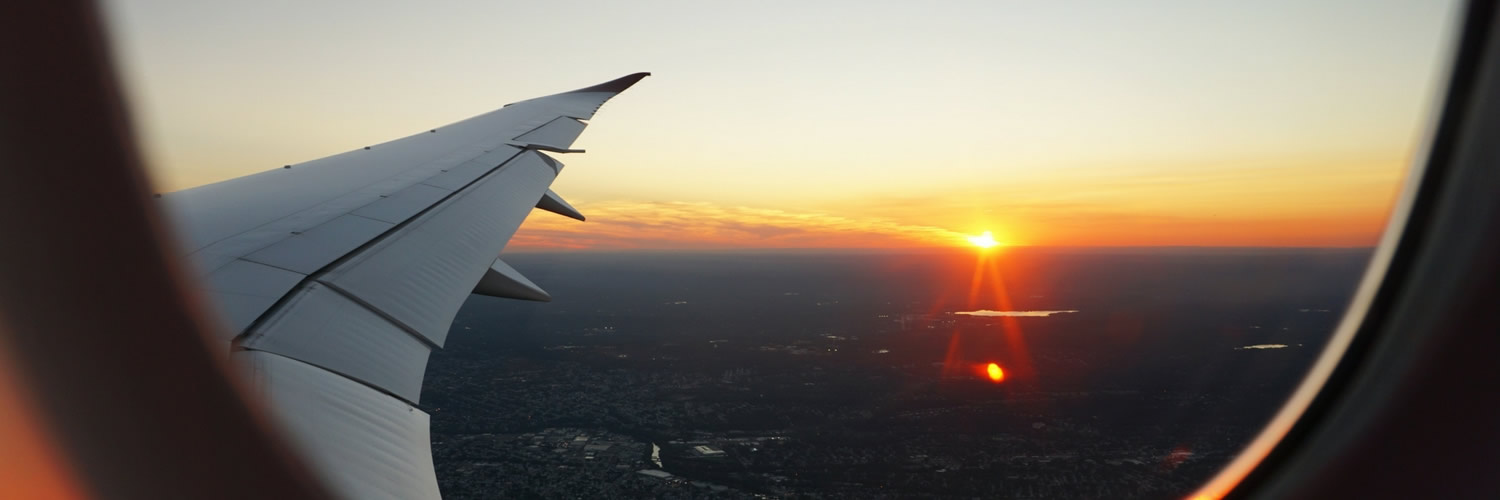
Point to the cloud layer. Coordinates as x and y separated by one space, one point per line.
685 225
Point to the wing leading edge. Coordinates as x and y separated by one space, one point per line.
337 277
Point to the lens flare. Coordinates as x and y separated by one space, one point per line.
995 373
985 240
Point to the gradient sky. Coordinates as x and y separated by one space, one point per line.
838 123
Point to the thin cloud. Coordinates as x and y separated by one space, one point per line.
685 225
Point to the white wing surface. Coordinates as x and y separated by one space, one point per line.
338 276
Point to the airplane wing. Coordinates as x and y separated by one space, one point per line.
336 277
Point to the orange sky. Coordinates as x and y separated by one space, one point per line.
1299 205
848 125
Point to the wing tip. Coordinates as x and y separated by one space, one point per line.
617 85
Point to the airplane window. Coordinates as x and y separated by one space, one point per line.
978 249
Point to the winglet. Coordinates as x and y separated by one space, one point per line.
503 281
617 85
551 202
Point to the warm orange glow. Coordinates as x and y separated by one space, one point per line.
987 290
31 463
985 240
696 225
1311 212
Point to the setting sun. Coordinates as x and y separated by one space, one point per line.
985 240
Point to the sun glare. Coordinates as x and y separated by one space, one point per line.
985 240
995 373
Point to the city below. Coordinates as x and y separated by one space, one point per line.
1129 375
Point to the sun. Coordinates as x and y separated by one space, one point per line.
996 374
985 240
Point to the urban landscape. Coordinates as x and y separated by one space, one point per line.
807 395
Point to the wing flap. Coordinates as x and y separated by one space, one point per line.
363 443
322 327
421 274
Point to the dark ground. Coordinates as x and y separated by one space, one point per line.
846 375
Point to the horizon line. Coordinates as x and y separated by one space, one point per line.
954 249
